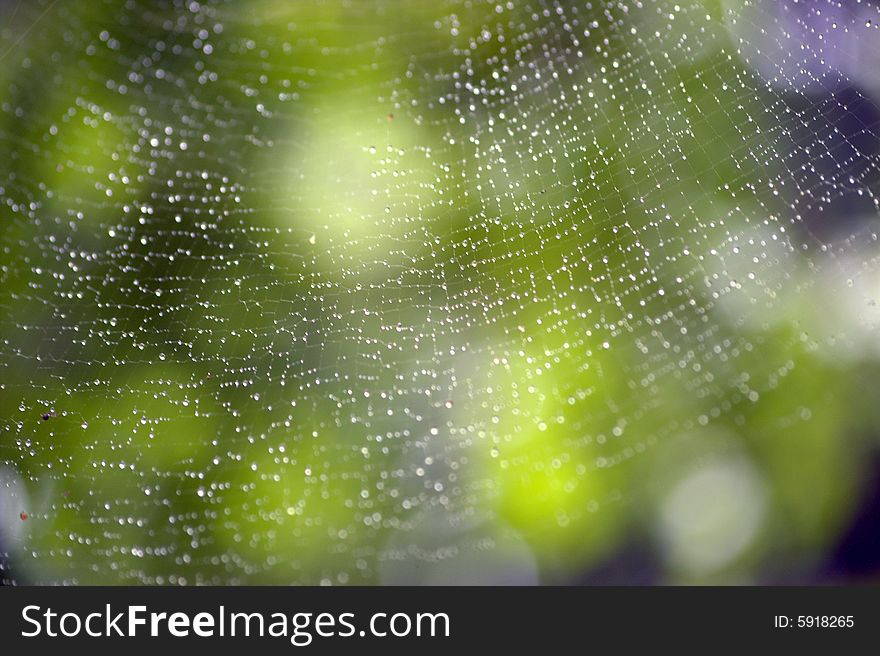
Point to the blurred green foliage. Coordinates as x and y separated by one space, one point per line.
286 296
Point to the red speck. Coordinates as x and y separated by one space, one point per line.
23 516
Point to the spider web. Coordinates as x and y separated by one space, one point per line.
382 292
